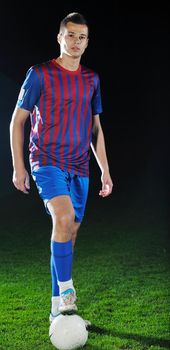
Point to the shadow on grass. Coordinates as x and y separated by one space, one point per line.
140 338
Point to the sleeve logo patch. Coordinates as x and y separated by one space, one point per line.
21 94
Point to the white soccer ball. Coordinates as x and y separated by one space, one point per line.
68 332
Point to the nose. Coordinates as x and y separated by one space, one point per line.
77 39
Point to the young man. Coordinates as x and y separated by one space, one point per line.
63 100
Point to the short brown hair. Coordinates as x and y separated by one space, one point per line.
74 17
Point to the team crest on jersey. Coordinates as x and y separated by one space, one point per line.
21 94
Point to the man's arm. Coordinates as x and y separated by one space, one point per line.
99 150
20 174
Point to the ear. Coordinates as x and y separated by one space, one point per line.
59 38
87 42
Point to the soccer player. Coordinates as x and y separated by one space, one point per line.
63 99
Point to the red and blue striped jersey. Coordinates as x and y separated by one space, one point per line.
61 105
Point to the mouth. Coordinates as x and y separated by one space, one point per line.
75 48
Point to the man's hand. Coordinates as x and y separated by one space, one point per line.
21 180
107 185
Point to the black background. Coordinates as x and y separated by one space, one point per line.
128 47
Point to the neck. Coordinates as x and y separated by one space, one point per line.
69 63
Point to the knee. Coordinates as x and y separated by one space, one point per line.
63 221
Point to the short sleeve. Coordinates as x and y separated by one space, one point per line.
30 91
96 100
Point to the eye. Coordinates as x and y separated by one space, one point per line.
81 37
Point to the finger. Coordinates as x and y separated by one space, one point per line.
20 186
106 190
103 193
27 183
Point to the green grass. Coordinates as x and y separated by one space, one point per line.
120 271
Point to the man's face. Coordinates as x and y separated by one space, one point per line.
73 39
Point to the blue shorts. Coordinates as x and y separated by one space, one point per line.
52 182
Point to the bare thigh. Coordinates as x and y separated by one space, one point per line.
62 213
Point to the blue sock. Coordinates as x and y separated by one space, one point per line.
55 287
62 256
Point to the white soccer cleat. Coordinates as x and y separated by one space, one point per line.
67 302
